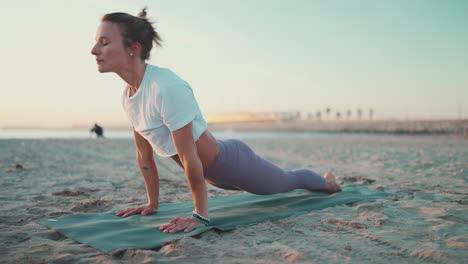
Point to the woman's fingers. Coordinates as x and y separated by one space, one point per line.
166 228
143 210
132 212
121 212
128 211
173 221
180 223
176 228
169 228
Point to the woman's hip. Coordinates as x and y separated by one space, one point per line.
234 157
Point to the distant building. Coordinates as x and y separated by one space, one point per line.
250 117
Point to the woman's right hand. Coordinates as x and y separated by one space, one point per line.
143 210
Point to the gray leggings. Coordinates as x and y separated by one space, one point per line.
237 167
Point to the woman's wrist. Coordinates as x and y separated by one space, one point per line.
202 219
153 204
203 213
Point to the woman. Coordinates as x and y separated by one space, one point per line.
166 119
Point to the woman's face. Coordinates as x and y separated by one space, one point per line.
111 55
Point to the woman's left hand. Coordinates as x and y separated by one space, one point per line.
181 223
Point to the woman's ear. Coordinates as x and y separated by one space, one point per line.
135 49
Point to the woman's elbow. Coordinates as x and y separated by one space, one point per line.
189 160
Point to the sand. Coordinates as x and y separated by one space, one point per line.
425 221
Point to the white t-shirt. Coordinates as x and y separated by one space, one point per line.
163 103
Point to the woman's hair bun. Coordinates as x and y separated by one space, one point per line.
142 14
135 29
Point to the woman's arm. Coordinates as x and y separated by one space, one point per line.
188 154
147 166
145 160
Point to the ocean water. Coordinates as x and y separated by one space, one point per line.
59 133
127 134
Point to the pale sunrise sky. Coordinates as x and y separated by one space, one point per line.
405 59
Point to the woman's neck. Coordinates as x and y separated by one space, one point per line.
133 75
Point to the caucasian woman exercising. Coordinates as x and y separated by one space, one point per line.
166 119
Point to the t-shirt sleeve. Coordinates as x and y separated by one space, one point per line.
178 106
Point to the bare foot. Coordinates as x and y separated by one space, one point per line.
331 186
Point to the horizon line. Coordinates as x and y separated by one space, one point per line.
343 120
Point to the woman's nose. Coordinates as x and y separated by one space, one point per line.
95 50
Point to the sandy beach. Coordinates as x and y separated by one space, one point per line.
424 221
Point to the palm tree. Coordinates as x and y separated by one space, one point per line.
348 114
371 113
318 115
328 111
359 113
338 115
298 115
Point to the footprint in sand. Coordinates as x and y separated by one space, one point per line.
356 179
76 192
92 206
16 238
52 235
457 241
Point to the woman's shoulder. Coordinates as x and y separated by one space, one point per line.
165 77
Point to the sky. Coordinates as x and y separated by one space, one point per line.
404 59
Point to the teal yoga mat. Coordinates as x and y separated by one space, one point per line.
108 232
